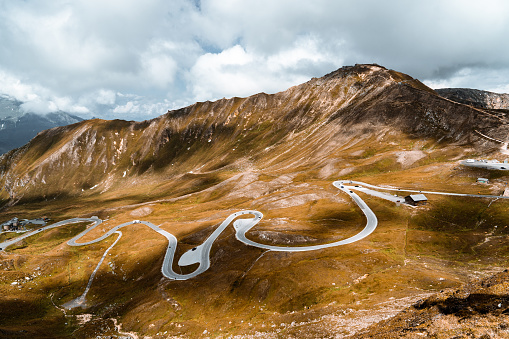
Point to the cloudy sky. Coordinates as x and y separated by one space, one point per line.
134 59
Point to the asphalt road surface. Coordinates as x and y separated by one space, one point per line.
368 188
201 253
243 225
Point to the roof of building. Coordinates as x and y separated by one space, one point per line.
417 197
482 179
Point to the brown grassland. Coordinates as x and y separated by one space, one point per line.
336 291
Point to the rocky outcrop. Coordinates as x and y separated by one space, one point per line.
476 98
478 310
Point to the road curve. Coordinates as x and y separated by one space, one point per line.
7 243
363 184
491 165
243 225
201 253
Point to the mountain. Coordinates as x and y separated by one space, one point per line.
189 169
17 131
349 103
10 107
18 127
475 97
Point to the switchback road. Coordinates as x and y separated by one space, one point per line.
201 253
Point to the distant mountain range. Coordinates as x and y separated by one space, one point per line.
18 127
476 97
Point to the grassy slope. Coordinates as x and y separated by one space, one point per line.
246 290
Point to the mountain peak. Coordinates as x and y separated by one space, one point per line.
354 100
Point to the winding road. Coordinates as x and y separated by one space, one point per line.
201 253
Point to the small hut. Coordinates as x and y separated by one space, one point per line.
416 199
482 180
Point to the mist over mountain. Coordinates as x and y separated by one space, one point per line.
18 127
10 107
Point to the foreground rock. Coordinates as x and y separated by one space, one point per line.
478 310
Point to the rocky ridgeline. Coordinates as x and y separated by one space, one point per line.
476 98
309 119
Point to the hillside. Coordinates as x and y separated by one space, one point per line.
347 104
479 309
186 171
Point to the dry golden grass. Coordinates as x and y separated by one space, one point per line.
247 289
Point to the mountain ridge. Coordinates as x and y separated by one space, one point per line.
475 97
350 101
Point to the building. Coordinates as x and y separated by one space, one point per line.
416 199
12 225
482 180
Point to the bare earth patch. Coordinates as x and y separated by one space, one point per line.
142 211
407 158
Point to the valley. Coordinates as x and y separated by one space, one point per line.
201 254
282 154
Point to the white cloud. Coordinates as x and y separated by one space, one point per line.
221 73
94 57
238 72
13 87
138 110
43 106
159 69
127 108
494 80
36 98
105 97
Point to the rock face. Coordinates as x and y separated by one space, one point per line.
478 310
306 122
476 98
17 127
9 107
